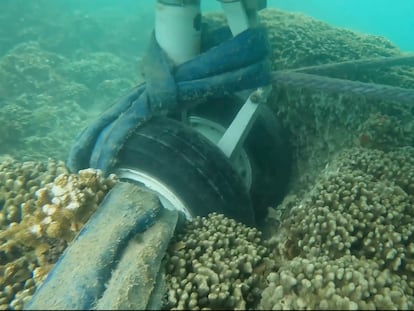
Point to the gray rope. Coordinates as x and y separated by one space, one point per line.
361 64
320 83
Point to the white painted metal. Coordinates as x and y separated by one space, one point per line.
234 137
177 30
237 17
214 132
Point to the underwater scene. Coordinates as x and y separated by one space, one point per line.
316 212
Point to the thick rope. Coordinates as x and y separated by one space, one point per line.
320 83
360 64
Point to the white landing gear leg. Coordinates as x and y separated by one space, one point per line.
241 15
178 28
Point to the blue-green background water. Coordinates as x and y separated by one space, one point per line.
393 19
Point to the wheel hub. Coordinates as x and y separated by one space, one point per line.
213 131
167 197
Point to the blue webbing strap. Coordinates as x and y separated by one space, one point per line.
234 65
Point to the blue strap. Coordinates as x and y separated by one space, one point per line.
160 83
80 152
248 47
234 65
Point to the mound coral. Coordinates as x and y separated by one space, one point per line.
46 98
321 123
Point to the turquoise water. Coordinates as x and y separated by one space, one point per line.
392 19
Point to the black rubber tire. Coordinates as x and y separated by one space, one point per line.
192 167
266 146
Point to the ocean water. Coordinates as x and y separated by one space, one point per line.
392 19
395 22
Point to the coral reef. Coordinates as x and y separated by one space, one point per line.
384 132
68 27
42 209
215 263
48 99
343 237
57 74
37 112
298 40
346 283
358 217
346 242
19 182
29 68
320 123
105 75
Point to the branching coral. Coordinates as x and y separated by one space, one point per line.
357 217
215 263
346 283
43 207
